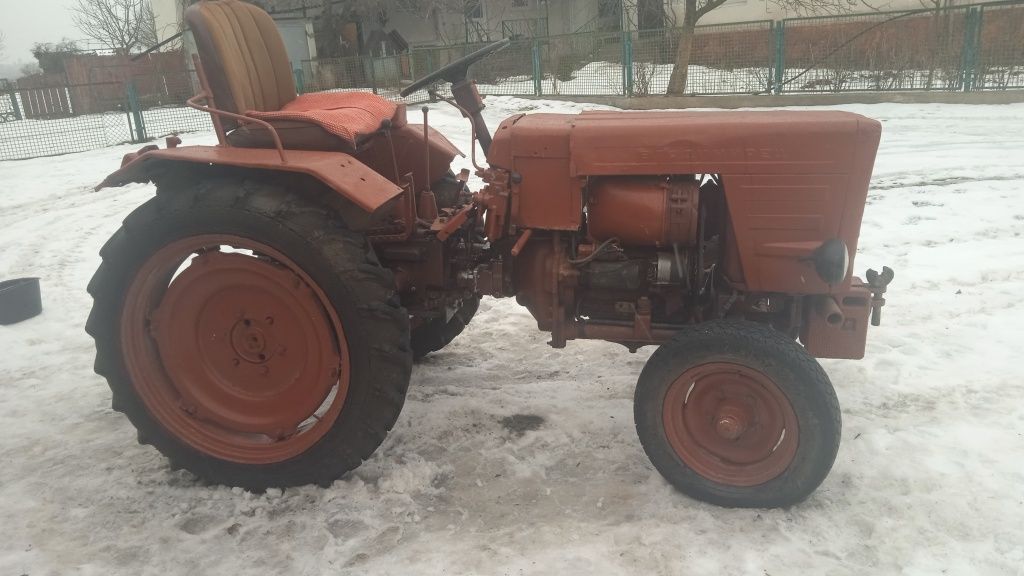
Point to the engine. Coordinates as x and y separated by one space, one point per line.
637 254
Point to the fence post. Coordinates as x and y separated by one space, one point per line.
536 68
373 73
136 113
300 81
627 63
979 28
779 29
969 55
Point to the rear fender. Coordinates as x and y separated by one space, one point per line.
348 177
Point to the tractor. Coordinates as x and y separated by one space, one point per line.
257 320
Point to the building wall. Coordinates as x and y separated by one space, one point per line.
167 17
297 34
443 25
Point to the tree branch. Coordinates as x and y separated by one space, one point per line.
119 25
708 6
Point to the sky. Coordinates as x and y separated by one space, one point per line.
25 23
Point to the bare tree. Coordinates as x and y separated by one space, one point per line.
694 10
120 25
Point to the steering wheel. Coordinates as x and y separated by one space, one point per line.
455 71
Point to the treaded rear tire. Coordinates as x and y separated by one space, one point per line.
340 261
791 369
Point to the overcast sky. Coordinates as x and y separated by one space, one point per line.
25 23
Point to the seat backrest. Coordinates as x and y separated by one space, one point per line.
243 55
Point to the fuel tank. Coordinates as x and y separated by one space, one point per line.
643 210
792 179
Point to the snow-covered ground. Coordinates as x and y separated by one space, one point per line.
928 480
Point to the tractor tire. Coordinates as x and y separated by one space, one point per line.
248 335
736 414
435 334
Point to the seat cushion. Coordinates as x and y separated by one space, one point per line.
294 135
350 116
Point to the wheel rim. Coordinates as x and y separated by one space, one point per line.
731 424
234 349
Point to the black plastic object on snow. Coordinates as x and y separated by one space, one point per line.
19 300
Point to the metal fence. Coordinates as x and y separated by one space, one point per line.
977 47
47 118
973 47
966 48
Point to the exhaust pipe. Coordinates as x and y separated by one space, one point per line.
829 309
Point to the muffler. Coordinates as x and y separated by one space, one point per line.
828 308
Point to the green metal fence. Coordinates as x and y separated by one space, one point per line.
974 47
46 118
966 48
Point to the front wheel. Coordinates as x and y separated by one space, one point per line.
248 335
737 414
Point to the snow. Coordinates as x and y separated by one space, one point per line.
928 478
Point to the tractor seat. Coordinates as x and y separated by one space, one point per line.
340 121
249 73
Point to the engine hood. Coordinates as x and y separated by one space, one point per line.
759 142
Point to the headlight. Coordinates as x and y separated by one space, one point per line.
832 261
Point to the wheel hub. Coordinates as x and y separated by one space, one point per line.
249 341
730 424
242 354
731 421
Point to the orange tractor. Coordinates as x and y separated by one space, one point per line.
257 320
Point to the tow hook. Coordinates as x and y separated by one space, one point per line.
878 283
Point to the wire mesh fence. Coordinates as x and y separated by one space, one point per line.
998 58
44 117
965 48
724 59
882 51
954 49
973 47
580 64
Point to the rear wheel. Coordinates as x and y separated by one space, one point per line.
737 414
248 335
